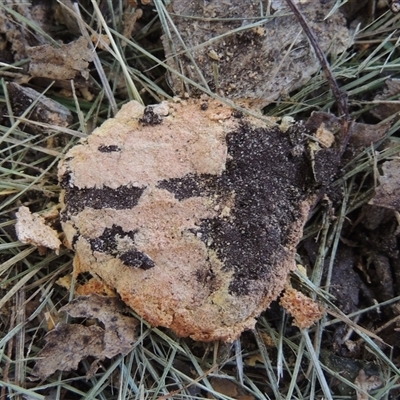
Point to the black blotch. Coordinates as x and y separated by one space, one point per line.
137 259
108 149
269 184
65 180
74 239
326 165
150 117
122 198
107 241
237 114
190 185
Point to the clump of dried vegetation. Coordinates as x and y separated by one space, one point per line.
348 259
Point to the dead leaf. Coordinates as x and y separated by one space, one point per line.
16 34
363 135
366 384
119 332
46 110
254 359
31 229
387 100
69 61
387 194
68 344
228 388
328 130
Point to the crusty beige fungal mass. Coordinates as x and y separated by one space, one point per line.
181 145
193 217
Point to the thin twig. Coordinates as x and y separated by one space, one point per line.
340 96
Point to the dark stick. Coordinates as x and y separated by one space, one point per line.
340 96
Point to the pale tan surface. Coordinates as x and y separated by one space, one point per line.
179 146
31 229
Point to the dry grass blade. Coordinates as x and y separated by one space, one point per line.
118 54
96 61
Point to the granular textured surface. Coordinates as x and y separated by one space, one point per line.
252 52
193 220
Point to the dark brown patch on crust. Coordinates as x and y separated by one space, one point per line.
269 186
237 114
107 242
118 199
137 259
150 117
65 178
191 185
109 149
326 166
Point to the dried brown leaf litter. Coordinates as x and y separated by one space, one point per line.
45 110
68 61
68 344
192 215
365 384
387 194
